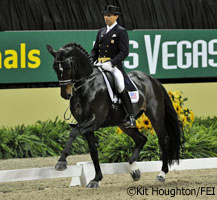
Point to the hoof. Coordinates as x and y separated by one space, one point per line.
160 179
93 184
60 166
136 175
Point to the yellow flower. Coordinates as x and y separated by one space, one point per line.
185 115
152 131
172 98
183 118
147 124
177 94
177 108
192 116
119 131
170 93
138 124
143 123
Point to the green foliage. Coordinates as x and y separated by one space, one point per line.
200 142
210 123
201 139
115 147
46 138
151 149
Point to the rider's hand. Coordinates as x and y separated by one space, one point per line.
107 66
95 62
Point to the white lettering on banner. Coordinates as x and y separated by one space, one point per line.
152 55
134 55
166 55
199 53
187 56
212 52
182 54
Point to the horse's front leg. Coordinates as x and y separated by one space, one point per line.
62 163
92 141
77 130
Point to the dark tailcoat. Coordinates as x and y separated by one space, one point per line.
114 44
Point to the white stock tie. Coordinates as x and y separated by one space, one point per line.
108 29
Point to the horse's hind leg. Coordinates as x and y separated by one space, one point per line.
163 140
91 139
140 141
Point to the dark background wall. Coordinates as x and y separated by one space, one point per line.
85 14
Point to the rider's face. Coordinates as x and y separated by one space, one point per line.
110 19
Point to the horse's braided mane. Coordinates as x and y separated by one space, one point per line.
80 48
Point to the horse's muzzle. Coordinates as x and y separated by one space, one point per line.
67 97
66 91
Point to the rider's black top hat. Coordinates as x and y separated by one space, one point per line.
110 9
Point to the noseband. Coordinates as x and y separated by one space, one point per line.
67 81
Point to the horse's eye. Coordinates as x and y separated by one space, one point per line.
55 66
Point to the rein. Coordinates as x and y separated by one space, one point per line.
85 80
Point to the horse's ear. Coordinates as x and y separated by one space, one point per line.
51 50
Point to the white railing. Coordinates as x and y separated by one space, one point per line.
83 172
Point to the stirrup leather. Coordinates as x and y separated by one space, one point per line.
130 122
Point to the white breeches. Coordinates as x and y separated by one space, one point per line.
119 79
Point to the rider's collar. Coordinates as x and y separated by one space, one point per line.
111 27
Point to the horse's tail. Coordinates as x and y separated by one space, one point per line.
173 128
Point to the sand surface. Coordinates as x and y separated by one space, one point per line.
189 184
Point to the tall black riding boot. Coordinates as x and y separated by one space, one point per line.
131 122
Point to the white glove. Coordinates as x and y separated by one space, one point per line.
95 62
107 66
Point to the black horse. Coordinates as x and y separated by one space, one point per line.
90 104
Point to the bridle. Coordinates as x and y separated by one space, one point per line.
83 81
67 81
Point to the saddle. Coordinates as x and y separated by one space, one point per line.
129 85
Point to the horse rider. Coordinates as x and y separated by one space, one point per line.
111 48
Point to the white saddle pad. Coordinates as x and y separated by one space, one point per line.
134 95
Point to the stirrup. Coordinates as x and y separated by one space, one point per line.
130 122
